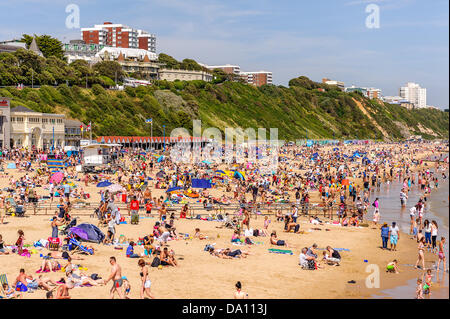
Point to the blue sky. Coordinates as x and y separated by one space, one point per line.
326 38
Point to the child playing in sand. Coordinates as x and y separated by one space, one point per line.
393 267
3 250
126 287
19 242
199 235
427 285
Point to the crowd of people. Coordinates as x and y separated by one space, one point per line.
337 182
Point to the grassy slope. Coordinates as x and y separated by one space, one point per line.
295 111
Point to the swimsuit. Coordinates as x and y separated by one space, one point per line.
118 283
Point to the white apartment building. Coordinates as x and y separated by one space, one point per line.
339 84
414 94
184 75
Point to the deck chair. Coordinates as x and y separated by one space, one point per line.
3 280
20 212
79 247
53 243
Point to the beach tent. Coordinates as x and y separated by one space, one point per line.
11 166
201 183
94 234
238 175
79 232
104 184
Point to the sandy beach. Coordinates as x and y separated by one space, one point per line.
265 275
200 275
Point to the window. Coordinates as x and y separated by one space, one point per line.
44 121
13 119
19 119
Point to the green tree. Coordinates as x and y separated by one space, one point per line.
48 45
109 69
170 62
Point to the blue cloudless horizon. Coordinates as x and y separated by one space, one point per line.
290 38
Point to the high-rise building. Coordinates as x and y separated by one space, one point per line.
414 94
257 78
119 36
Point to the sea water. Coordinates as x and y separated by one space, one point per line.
437 209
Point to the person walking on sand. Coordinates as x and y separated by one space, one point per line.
146 283
421 257
394 234
116 276
441 255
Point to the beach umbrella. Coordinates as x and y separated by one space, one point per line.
220 171
11 166
56 178
172 189
79 232
160 158
115 188
149 178
207 162
104 184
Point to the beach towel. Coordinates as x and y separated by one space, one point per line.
280 251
